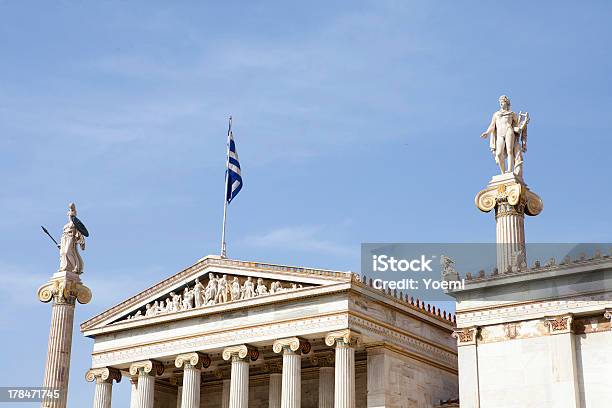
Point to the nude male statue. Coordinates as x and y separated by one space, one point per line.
508 137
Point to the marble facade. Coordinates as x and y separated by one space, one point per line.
544 330
328 340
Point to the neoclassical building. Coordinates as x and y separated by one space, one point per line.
228 333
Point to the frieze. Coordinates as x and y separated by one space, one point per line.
212 340
408 343
531 310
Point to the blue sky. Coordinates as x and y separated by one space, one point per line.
355 122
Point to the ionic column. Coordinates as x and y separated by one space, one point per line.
467 355
134 392
63 290
291 348
225 396
512 200
344 392
239 383
275 385
104 385
179 396
326 381
192 374
146 371
563 362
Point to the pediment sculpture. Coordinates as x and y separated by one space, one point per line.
220 289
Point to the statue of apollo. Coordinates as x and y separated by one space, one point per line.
508 137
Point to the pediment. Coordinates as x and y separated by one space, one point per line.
211 284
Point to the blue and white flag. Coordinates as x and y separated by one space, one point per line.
234 179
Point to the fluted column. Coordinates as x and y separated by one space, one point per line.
225 396
512 200
344 381
510 236
63 290
179 396
291 348
134 392
146 370
275 390
239 383
192 374
326 381
104 385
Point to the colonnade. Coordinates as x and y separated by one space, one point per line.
336 381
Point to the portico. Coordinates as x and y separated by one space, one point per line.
310 338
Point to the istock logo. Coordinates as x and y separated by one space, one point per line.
383 263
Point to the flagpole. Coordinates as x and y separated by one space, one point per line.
223 245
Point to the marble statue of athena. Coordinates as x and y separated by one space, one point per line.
70 260
508 137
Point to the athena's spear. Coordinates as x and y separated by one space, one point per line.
52 239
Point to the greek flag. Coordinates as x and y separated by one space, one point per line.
234 179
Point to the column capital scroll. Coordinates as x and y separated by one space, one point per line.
103 374
151 367
195 359
294 344
64 291
241 351
608 314
345 337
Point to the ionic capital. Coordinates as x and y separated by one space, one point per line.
195 359
467 336
241 351
64 291
104 374
345 337
559 324
295 344
608 314
514 194
151 367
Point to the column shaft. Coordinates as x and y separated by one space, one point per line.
146 390
225 397
510 235
344 394
58 352
239 386
564 374
274 390
326 387
191 387
179 396
103 394
291 383
134 393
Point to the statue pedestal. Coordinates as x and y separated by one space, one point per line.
63 290
509 196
